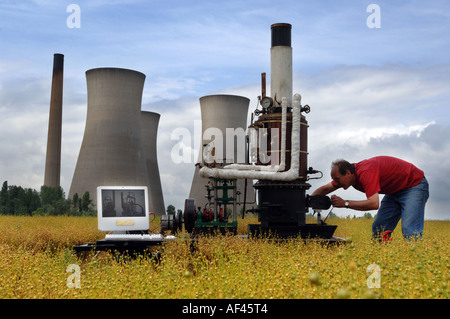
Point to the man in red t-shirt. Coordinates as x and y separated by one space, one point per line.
404 185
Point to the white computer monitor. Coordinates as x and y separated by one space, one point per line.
122 208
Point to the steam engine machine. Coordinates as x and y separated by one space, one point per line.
276 162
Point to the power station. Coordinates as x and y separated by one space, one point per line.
119 142
261 167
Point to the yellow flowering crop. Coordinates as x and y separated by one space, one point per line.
36 252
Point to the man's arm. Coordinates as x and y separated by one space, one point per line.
372 203
324 190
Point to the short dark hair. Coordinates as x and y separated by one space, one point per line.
343 166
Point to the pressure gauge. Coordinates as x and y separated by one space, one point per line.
266 102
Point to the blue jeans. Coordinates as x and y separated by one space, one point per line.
409 205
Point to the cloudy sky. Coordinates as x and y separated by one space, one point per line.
372 91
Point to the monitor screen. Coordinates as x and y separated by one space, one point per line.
122 208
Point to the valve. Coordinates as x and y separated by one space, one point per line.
305 109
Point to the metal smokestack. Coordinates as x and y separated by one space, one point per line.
53 160
281 63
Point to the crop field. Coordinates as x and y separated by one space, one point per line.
37 261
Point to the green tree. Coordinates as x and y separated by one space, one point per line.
76 202
50 194
170 210
86 202
53 201
4 198
15 200
16 195
30 201
367 215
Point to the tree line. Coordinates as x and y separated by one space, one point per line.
15 200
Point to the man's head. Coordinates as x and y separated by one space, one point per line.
343 173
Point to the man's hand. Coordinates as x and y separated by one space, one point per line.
336 201
372 203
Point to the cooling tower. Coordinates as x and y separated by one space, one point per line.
149 127
111 153
53 159
222 112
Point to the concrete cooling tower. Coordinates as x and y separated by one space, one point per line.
113 152
222 112
53 158
149 128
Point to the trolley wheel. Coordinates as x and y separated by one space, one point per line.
189 215
166 223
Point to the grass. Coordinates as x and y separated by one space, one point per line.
36 251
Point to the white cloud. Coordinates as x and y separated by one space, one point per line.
361 137
171 88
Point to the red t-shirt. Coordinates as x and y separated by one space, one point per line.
385 175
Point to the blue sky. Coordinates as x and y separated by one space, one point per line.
372 91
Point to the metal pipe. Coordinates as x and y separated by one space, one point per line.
274 168
288 175
263 84
234 201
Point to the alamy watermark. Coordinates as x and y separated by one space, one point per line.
73 280
74 19
374 19
234 145
374 279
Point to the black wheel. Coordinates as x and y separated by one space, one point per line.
318 202
189 215
179 219
176 222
